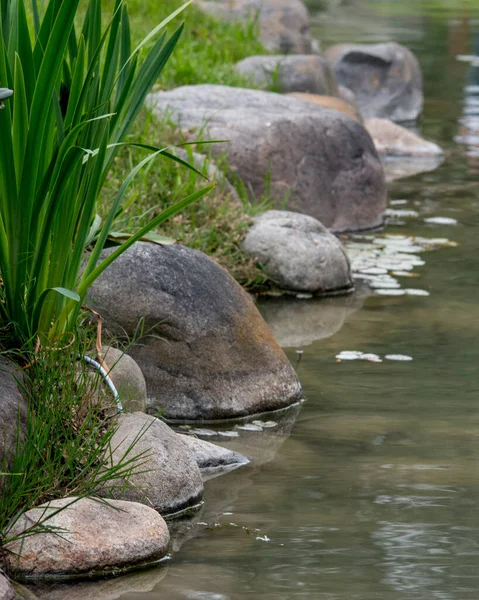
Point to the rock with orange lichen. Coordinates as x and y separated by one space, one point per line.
207 354
330 102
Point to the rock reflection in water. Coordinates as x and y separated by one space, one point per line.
299 322
106 589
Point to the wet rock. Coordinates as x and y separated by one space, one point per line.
127 378
6 590
392 140
299 253
284 24
209 354
322 161
290 73
213 460
386 78
296 323
13 412
166 476
96 538
332 103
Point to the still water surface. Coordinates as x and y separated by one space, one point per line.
375 492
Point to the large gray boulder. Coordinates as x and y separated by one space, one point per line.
323 162
165 476
88 537
386 78
284 24
208 355
13 413
6 590
299 253
290 73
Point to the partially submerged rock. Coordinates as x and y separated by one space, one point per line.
166 476
209 355
13 413
213 460
323 162
392 140
386 78
89 537
290 73
6 590
284 24
299 253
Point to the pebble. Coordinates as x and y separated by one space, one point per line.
441 220
398 357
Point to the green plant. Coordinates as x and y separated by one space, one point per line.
66 451
77 90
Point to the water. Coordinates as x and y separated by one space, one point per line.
375 493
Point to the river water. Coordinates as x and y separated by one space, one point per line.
374 493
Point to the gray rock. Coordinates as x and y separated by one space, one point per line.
213 460
386 78
323 162
167 477
6 590
290 73
209 354
392 140
299 253
284 24
127 378
13 413
96 538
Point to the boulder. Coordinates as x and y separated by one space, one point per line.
13 413
90 537
209 355
386 78
6 590
299 253
393 140
284 24
128 379
290 73
323 162
166 476
332 103
211 459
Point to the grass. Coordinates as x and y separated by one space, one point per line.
206 53
69 430
215 224
208 48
